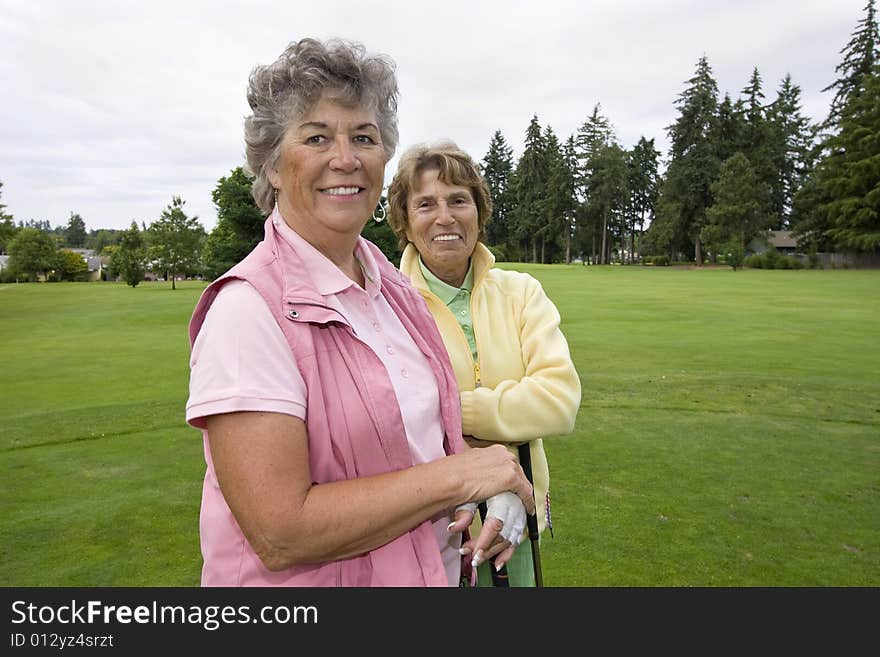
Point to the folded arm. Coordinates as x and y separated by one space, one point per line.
262 465
545 400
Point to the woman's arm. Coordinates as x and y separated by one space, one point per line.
545 401
262 465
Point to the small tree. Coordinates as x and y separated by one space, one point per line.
75 234
739 212
734 254
176 240
31 252
70 266
129 258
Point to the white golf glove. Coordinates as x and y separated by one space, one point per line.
509 509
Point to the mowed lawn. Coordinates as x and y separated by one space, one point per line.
729 433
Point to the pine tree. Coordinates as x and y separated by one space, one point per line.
860 55
694 165
838 204
739 212
757 142
643 187
849 177
608 193
75 234
497 169
529 187
594 134
551 228
729 132
792 137
566 181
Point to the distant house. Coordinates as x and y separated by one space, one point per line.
783 240
96 263
4 262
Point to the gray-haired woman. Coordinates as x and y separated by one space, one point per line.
327 403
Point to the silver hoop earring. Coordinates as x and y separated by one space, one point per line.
380 217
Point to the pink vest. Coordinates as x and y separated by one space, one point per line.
347 387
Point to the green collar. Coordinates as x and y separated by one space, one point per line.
445 292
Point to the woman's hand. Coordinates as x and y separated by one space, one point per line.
488 471
502 530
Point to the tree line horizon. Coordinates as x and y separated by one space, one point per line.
735 170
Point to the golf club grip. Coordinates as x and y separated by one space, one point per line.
525 462
499 577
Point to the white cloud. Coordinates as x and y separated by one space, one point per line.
111 108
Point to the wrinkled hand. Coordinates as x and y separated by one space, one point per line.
485 472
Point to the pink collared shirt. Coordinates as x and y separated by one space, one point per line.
239 332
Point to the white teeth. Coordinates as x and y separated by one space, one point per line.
341 191
446 238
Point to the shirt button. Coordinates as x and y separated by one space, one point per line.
464 312
389 350
404 374
377 327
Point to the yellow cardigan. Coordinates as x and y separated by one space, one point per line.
524 386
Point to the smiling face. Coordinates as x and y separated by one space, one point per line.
442 225
330 172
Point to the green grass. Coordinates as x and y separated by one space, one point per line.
729 433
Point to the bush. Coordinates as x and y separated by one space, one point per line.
647 260
661 261
498 251
9 276
734 255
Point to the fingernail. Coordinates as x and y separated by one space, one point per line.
478 559
464 551
498 567
450 526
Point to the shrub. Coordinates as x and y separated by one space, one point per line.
734 255
498 251
661 261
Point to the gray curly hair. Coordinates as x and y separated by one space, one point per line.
285 90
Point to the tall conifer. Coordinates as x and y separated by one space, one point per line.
497 169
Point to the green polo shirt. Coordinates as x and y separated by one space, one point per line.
457 299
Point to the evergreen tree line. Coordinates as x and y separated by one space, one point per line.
735 170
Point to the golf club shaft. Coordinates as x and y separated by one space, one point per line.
525 461
499 577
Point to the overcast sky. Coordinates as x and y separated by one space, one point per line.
111 108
